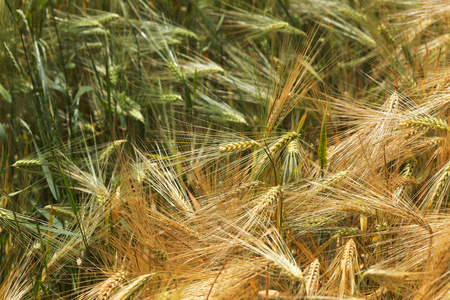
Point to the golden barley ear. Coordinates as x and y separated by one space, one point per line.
312 279
437 193
269 198
133 290
109 285
424 123
347 266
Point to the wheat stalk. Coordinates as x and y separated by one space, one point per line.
275 147
92 46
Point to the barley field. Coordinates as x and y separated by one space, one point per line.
224 149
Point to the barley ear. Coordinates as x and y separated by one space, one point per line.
134 289
269 198
239 146
111 284
312 278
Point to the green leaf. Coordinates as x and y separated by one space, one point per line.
54 230
323 144
42 74
4 148
187 97
302 121
11 56
59 89
45 169
128 107
5 94
76 103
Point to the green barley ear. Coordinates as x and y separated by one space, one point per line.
411 163
239 146
92 46
323 144
302 122
176 71
28 164
424 123
111 148
11 56
108 18
386 34
184 33
169 98
62 212
354 15
87 24
129 107
276 26
348 231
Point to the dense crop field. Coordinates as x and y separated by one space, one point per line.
278 149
